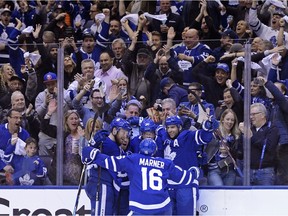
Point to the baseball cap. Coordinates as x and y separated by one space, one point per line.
48 77
144 51
134 102
224 67
230 33
6 10
87 33
237 47
164 82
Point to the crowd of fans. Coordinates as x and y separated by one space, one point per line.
142 59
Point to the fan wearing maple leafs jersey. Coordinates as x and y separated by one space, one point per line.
29 169
181 147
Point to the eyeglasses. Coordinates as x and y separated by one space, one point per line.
253 114
97 98
192 91
16 117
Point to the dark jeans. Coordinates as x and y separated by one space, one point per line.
282 165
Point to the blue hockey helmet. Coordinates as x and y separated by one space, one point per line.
148 147
120 123
147 125
174 120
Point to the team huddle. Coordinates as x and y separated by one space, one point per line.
124 182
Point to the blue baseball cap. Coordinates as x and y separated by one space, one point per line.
224 67
48 77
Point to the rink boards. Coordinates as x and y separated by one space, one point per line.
213 201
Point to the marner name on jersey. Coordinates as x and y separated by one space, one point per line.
151 162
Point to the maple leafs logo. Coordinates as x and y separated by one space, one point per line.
168 154
26 180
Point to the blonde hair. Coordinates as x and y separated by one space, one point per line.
235 129
2 81
66 116
88 127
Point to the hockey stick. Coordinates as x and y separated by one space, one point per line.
79 190
98 184
83 170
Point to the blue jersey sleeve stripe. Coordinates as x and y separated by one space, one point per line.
190 179
151 206
114 164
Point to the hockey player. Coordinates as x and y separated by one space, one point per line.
148 177
181 147
103 184
147 130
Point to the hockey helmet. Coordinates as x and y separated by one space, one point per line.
174 120
147 125
148 147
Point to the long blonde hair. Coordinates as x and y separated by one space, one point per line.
3 82
88 127
66 116
235 129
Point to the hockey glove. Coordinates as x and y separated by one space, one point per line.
195 172
100 136
134 120
88 155
211 124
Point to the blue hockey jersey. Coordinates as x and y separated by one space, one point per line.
149 178
183 150
199 52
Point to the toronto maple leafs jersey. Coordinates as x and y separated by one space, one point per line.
109 148
148 179
199 52
27 171
5 140
134 146
183 149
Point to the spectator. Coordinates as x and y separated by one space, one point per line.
266 32
99 106
5 30
12 128
173 20
108 72
227 39
6 72
223 151
192 108
87 76
29 169
162 66
47 142
132 115
72 145
278 117
190 55
91 48
118 47
207 31
30 120
135 70
69 71
214 86
231 100
172 90
120 94
264 140
25 13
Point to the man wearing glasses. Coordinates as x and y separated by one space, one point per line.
191 109
264 141
8 132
